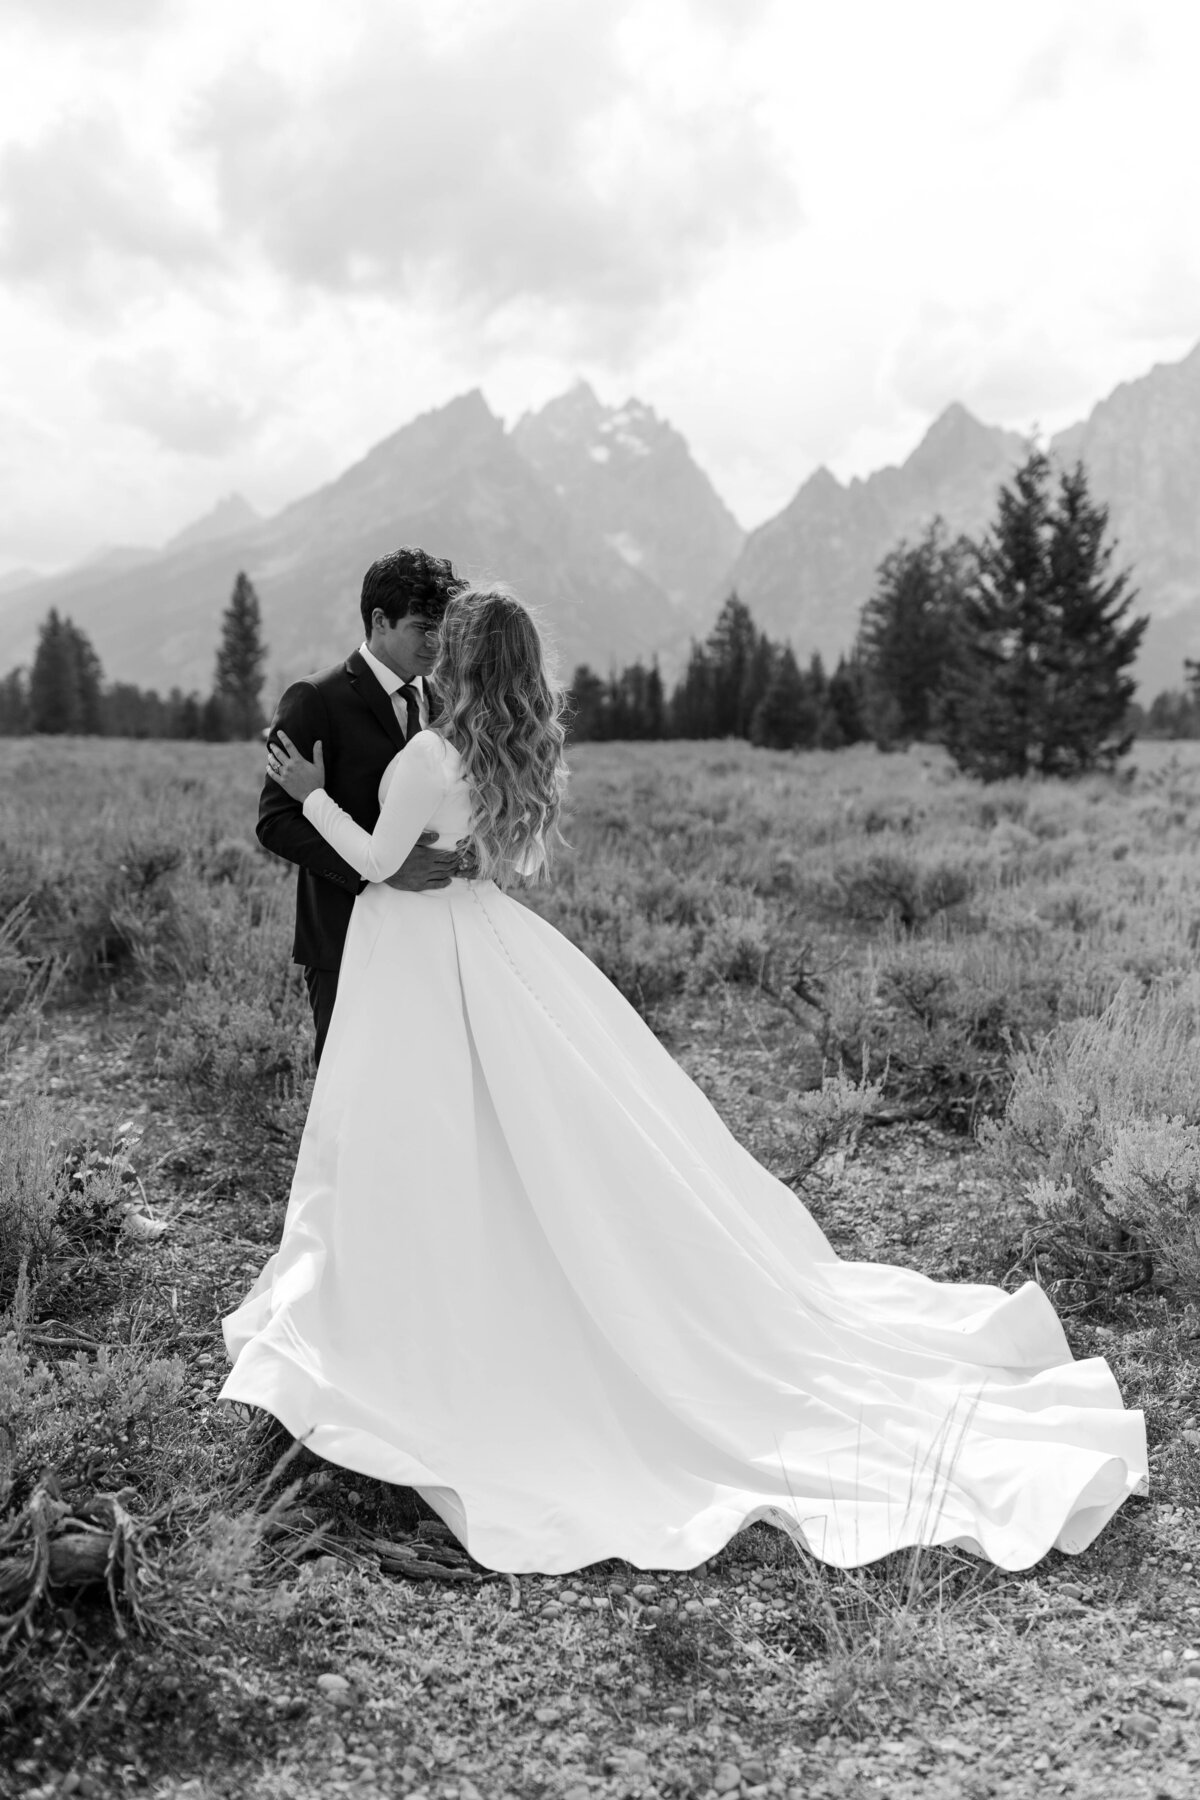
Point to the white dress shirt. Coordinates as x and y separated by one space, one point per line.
391 683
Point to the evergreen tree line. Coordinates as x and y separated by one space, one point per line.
737 683
1014 651
64 690
1175 713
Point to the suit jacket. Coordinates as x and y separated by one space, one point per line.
348 710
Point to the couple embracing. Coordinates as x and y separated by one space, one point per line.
525 1268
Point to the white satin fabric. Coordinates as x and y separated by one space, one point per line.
527 1271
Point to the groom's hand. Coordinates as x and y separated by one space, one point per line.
468 859
424 868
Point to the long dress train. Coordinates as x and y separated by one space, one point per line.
527 1271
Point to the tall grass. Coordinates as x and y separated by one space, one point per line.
826 939
1102 1128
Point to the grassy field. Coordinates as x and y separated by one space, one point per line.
962 1023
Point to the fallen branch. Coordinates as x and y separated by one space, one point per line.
425 1556
51 1544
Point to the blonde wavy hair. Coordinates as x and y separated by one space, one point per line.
502 711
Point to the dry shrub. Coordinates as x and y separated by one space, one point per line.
63 1198
33 1187
881 1633
1004 804
648 960
740 945
112 847
657 933
901 888
237 860
1073 907
239 1055
17 967
1101 1132
238 1039
830 1117
98 1491
90 1419
943 1014
116 909
645 949
1152 1180
892 815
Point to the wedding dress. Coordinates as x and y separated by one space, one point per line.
527 1271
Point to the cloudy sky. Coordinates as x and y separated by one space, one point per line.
242 240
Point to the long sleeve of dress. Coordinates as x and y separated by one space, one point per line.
418 785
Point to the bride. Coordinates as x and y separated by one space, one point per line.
528 1272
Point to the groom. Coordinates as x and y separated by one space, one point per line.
363 711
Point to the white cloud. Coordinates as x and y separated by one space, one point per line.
524 166
96 16
989 358
83 201
150 391
270 234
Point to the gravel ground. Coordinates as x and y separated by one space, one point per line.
759 1674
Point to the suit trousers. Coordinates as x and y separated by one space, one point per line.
322 992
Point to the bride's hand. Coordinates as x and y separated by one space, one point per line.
294 774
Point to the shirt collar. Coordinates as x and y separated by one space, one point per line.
387 678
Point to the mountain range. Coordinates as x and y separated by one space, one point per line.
601 517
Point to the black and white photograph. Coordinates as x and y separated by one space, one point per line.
599 899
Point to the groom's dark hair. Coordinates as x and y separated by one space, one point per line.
408 581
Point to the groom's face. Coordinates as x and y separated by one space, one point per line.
408 647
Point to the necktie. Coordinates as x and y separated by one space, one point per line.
408 694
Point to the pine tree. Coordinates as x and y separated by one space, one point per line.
54 702
825 728
626 692
905 634
214 721
89 678
656 705
64 682
134 712
784 714
587 705
847 699
14 704
740 660
692 708
617 711
1038 679
185 714
1171 714
241 659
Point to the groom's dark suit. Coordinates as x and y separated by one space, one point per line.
348 710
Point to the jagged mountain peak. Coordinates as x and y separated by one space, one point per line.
631 476
819 484
451 480
465 418
636 429
807 572
955 420
600 514
579 401
423 458
956 438
579 417
231 514
1141 449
